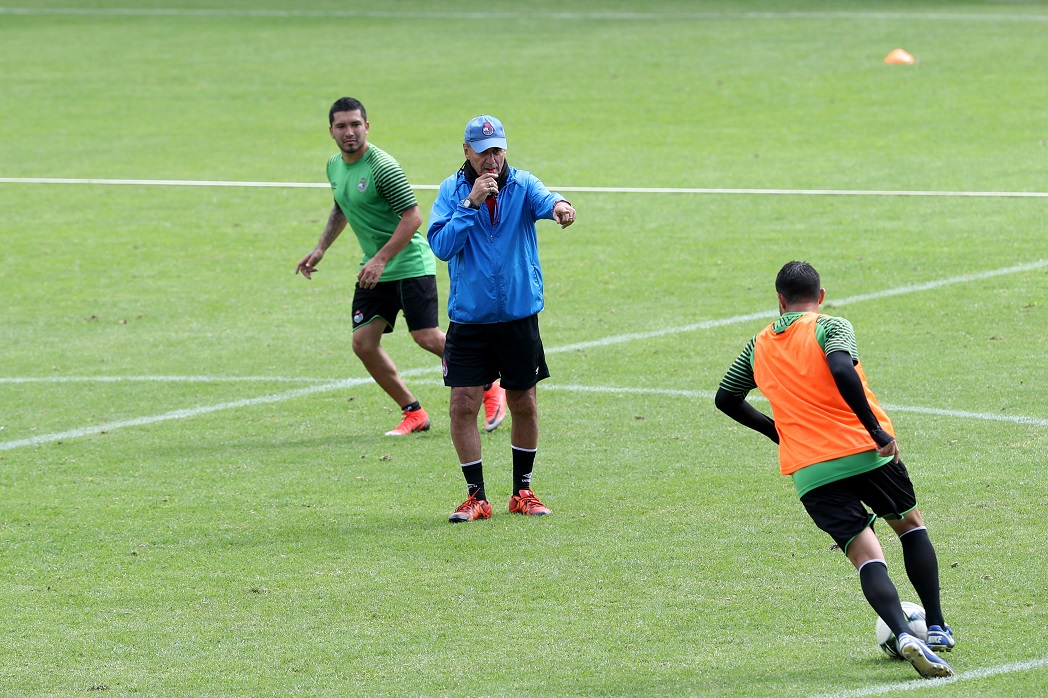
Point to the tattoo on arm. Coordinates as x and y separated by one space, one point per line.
336 224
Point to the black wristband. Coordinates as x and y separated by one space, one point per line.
881 438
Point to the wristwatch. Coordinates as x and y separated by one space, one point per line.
467 203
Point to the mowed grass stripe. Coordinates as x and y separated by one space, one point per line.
163 379
887 293
882 689
503 15
617 339
575 189
336 385
180 414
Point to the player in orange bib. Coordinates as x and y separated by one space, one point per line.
838 445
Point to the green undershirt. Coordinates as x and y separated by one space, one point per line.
818 474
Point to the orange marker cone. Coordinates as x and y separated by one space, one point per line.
898 56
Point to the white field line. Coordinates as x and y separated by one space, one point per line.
186 413
330 384
708 394
302 392
559 16
768 314
917 684
587 190
166 379
960 414
174 183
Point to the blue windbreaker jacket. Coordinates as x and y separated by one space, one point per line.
494 267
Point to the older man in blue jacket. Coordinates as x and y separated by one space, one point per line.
483 225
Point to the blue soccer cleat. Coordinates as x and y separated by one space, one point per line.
926 662
940 638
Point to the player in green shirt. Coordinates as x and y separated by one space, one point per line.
397 272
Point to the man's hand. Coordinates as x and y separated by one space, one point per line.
564 213
486 185
370 273
889 449
308 264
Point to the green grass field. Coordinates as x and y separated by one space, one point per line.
196 498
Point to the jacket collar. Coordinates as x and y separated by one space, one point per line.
471 175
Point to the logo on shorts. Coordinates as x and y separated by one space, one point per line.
358 317
362 184
444 364
487 129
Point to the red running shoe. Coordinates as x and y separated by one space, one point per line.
413 421
471 510
525 502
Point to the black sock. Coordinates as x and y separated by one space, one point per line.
523 464
474 474
922 567
413 407
882 595
487 386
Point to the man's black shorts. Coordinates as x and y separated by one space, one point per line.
837 507
507 351
416 296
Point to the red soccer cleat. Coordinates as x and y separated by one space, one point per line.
413 421
471 510
525 502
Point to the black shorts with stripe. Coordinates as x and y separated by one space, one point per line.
839 507
416 297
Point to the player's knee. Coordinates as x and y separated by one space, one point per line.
522 404
363 348
431 341
464 403
911 521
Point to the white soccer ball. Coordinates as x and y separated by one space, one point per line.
915 616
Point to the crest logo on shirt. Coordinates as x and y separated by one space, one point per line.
487 129
362 184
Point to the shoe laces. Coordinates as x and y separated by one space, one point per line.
469 505
528 501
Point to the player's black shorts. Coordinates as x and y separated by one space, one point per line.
416 296
837 507
507 351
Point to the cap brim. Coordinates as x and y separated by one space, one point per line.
481 146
